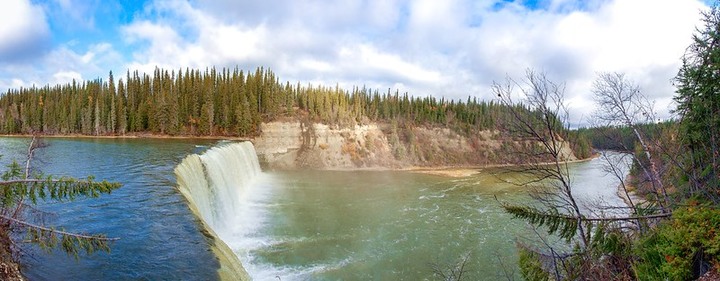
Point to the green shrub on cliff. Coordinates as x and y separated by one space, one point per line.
680 249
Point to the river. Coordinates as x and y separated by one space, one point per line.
315 225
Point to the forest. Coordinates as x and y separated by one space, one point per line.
621 138
224 102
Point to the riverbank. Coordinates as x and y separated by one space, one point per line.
128 136
455 171
630 198
447 171
466 171
9 268
293 146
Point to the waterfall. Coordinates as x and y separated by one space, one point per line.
218 180
215 185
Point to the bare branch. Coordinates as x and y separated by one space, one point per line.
543 124
65 233
28 181
620 103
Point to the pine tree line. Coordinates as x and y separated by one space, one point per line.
621 138
228 102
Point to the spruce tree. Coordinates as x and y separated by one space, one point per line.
698 98
20 187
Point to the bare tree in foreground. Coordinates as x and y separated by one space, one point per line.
540 123
620 103
543 155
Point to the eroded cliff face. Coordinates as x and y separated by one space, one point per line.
293 145
290 145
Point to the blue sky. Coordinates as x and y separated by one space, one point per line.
451 48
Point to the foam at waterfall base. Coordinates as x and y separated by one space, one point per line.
220 185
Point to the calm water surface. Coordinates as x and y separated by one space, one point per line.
300 226
160 238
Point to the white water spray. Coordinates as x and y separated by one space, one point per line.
226 189
216 184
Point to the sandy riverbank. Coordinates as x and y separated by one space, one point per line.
466 171
447 171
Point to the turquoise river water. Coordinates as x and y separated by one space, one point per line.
304 225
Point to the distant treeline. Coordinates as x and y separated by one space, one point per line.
228 102
622 138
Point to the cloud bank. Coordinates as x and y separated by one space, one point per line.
451 48
24 32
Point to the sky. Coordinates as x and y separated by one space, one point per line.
448 48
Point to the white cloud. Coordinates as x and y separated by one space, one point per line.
448 48
64 77
642 38
213 42
62 65
24 32
366 60
452 48
14 83
94 63
299 50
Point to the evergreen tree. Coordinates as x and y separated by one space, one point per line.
121 109
207 116
698 98
195 102
20 187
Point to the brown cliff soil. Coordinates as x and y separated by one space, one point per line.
295 145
